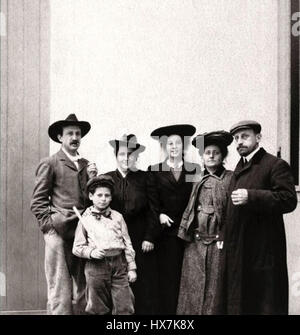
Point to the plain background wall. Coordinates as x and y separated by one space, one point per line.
130 66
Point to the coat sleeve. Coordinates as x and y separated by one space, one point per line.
281 197
188 216
41 198
81 246
153 229
156 196
129 251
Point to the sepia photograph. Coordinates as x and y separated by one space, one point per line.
150 159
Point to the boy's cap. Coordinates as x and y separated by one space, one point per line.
101 180
245 124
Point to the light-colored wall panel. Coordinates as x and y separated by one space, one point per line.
31 149
3 146
131 66
24 117
44 75
15 20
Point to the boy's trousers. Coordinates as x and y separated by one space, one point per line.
107 286
64 275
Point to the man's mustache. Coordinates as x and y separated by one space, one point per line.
74 142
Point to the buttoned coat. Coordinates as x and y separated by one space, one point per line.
220 196
255 242
201 288
58 187
172 195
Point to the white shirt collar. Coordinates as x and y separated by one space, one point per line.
122 173
74 159
172 165
252 154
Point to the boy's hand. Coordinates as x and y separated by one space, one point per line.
97 253
132 276
147 246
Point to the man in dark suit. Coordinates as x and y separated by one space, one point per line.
61 184
262 190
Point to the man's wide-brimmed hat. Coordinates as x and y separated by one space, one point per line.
103 180
176 129
219 137
71 120
128 140
246 124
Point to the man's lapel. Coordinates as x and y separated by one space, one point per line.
67 162
240 168
82 163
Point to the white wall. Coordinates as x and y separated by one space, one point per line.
134 65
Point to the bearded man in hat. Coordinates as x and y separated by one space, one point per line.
262 190
61 184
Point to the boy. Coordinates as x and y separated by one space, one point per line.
102 238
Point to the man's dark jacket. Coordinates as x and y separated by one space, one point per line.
255 244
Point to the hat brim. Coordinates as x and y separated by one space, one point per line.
134 146
179 129
101 181
218 137
56 128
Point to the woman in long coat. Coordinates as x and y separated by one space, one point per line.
173 179
134 199
201 228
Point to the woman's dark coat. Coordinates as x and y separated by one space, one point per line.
172 198
255 244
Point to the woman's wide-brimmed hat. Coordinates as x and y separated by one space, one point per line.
128 140
219 137
71 120
176 129
101 180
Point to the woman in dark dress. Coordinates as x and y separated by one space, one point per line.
202 226
134 199
173 179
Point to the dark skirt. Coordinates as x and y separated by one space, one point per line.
169 259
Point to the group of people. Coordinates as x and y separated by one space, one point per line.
175 239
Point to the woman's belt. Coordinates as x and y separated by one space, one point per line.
208 209
207 239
